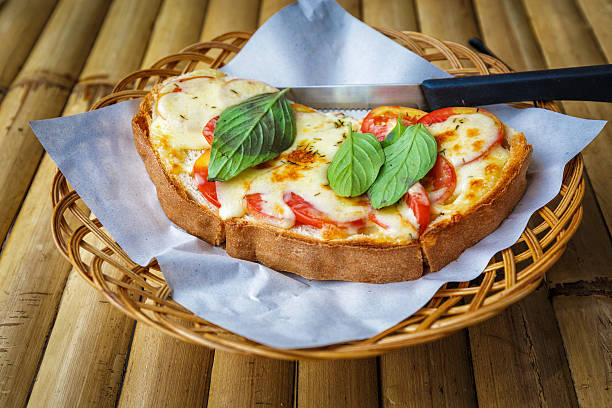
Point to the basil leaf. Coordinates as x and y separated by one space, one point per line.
395 133
406 162
356 164
249 133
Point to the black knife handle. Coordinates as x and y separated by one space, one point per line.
592 83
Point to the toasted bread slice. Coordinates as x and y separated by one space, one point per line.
374 256
175 197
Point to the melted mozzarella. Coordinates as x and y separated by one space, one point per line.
465 137
474 181
397 221
185 104
301 169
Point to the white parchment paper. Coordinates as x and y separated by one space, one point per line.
310 42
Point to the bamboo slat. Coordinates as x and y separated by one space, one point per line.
241 381
341 383
503 24
20 24
243 17
589 253
177 365
268 7
586 325
396 14
84 360
130 23
177 25
587 259
529 368
40 91
101 329
29 294
163 371
447 19
437 374
352 6
599 15
485 350
566 40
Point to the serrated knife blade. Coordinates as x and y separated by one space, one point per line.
344 97
592 83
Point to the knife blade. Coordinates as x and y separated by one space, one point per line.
592 83
343 97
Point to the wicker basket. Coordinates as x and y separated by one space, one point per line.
142 293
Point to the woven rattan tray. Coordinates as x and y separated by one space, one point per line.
142 293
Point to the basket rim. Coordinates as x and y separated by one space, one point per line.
545 250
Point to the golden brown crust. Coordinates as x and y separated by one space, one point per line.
176 203
444 243
362 260
314 259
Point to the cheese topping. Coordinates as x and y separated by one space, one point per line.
186 103
465 137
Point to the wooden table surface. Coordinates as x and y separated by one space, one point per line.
62 344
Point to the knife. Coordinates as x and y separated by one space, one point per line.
590 83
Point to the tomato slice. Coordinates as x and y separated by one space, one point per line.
372 217
380 121
306 214
417 200
441 180
477 142
209 129
200 174
254 206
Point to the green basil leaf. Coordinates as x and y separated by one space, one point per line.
249 133
395 133
356 164
406 162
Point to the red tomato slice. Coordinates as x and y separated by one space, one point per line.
200 174
441 180
209 129
254 206
372 217
380 121
307 214
475 148
417 200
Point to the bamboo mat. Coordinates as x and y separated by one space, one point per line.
62 344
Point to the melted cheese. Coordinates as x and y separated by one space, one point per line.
185 104
176 133
465 137
474 181
301 169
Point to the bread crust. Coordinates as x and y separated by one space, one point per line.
314 259
361 260
176 203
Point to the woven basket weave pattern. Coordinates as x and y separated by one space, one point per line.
142 293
